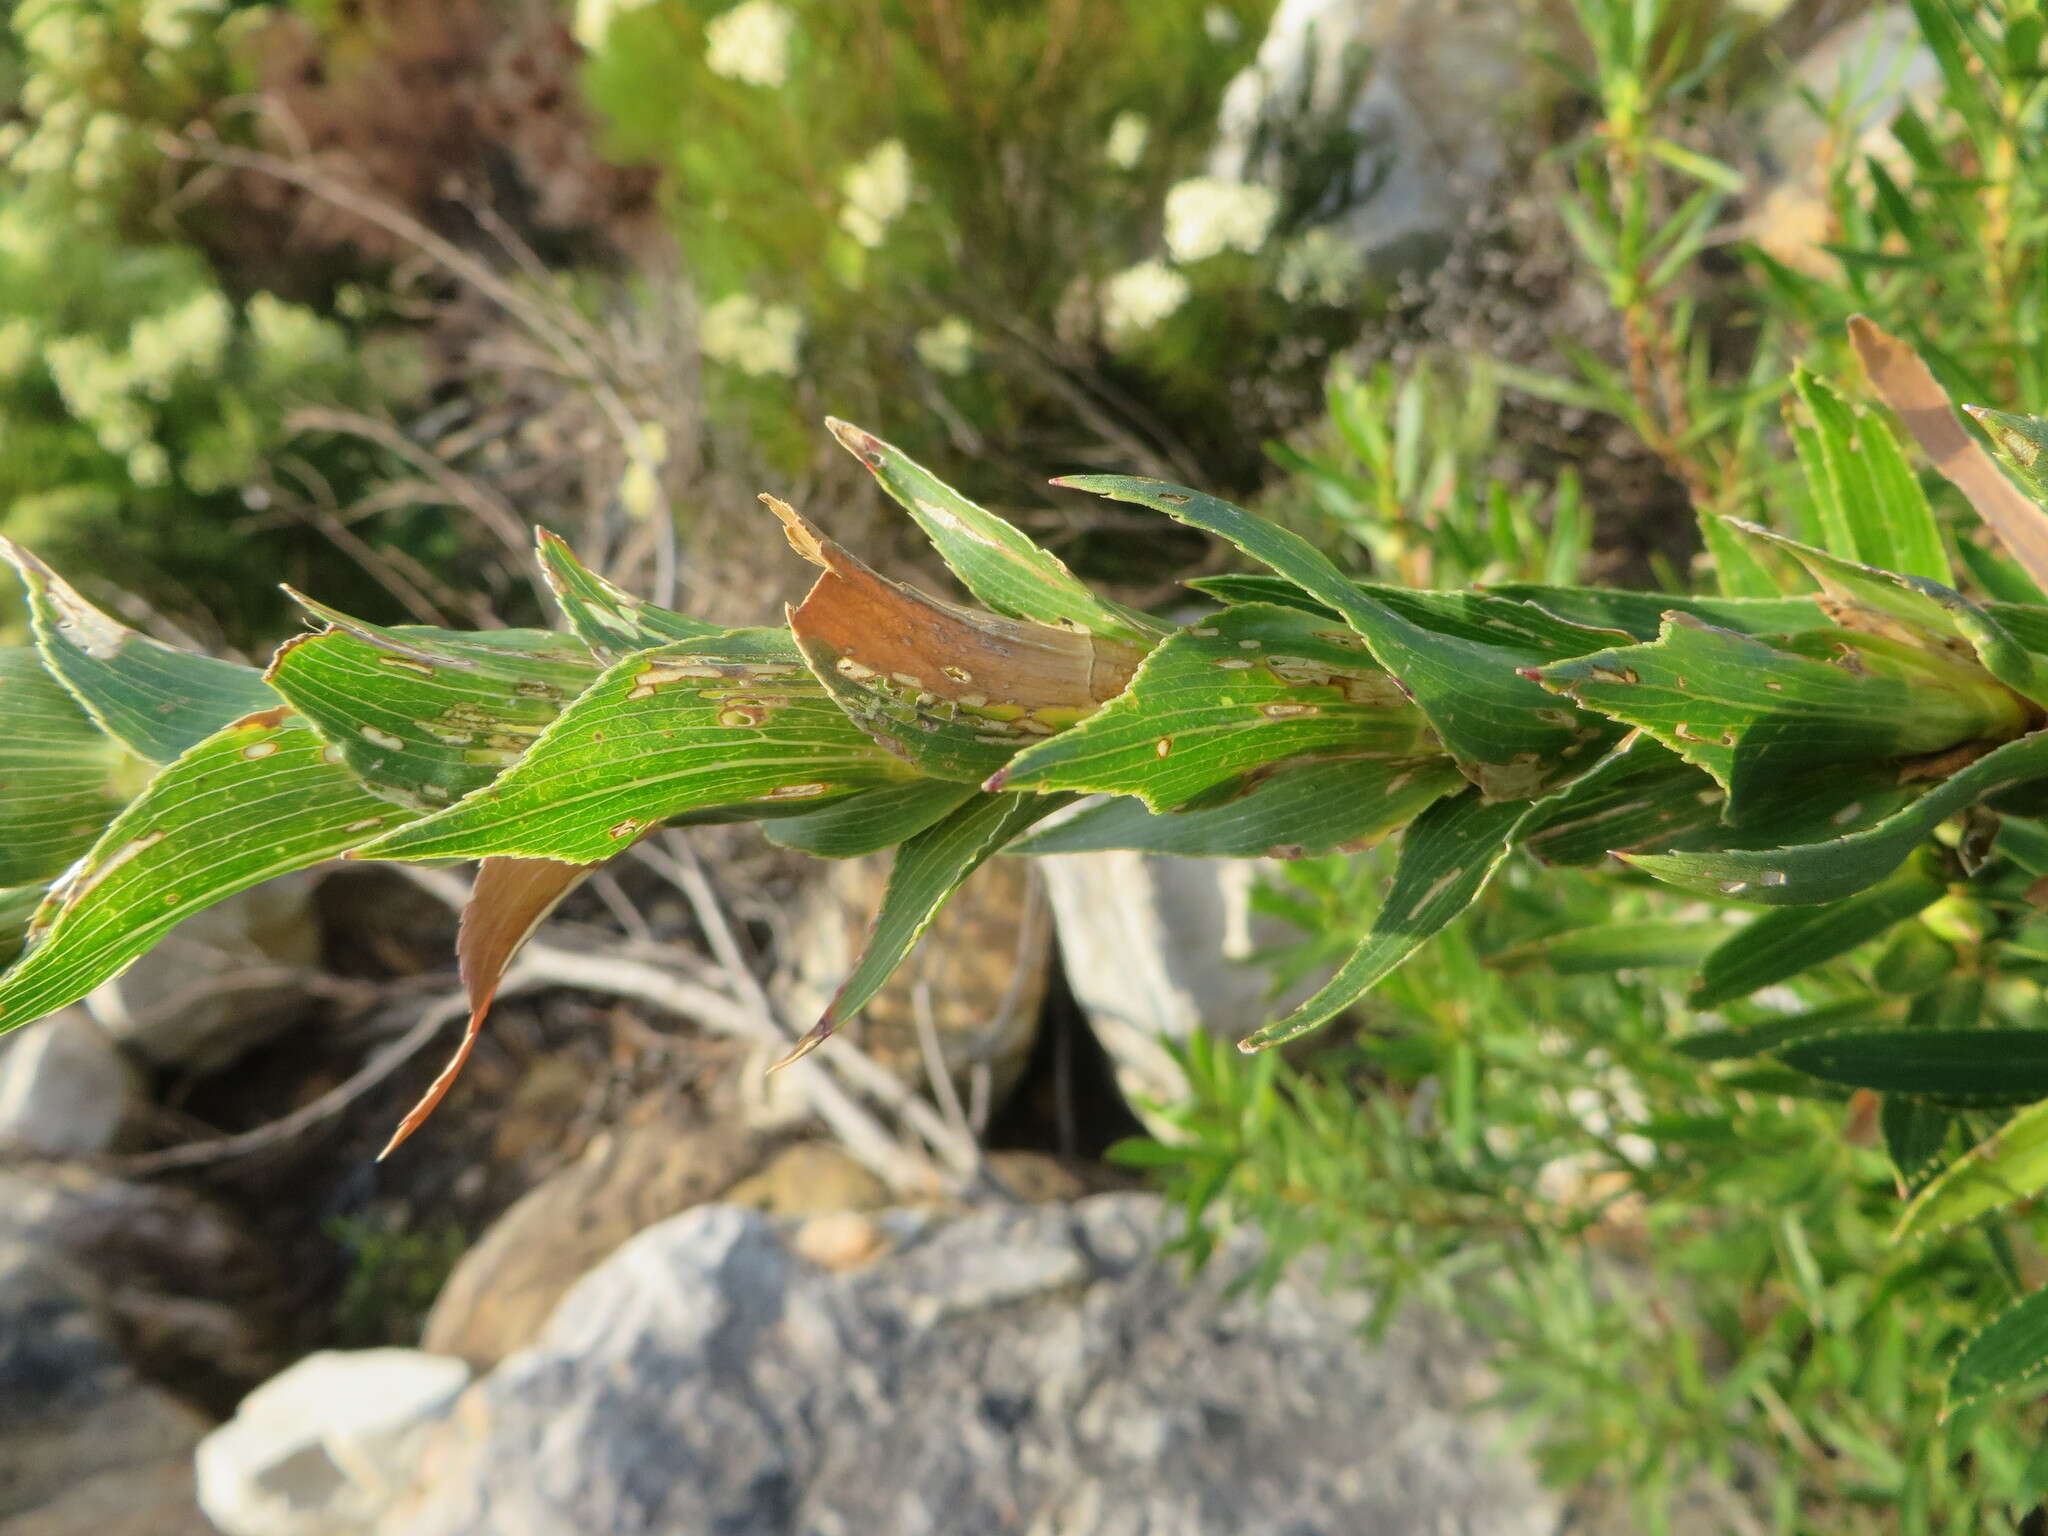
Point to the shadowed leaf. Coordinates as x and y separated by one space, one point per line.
154 699
58 773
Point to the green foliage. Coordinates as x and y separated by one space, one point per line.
1007 220
141 395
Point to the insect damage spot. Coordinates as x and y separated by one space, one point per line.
259 749
384 739
797 791
1175 498
624 829
1288 711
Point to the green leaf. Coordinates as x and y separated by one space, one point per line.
154 699
1760 1039
260 798
58 774
2011 1352
729 721
1829 871
427 716
17 905
2011 1164
1447 855
1916 1135
1248 687
1913 610
1615 947
1642 794
929 868
1949 1066
1749 713
1641 614
1483 617
2018 441
610 622
1303 811
1782 943
1510 739
870 820
1871 501
995 562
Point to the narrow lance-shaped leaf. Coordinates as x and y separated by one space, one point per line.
1916 1135
611 622
729 721
929 868
996 562
953 692
261 798
1610 947
1299 812
508 902
1905 384
2011 1164
1508 736
152 698
2011 1352
1912 610
1750 713
427 716
1829 871
1640 795
871 820
1787 940
1950 1066
1447 855
1252 686
1871 501
58 773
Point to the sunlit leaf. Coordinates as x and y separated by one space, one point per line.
262 797
610 622
1506 733
427 716
995 562
2011 1164
731 720
1250 687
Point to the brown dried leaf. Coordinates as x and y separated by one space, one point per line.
510 899
1904 382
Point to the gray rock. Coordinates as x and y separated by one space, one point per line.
1429 111
71 1408
320 1449
1156 949
224 980
1036 1371
65 1088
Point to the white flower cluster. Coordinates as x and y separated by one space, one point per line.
758 339
98 386
947 347
1128 136
175 25
291 339
1322 266
1206 216
1138 298
877 190
750 43
189 338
